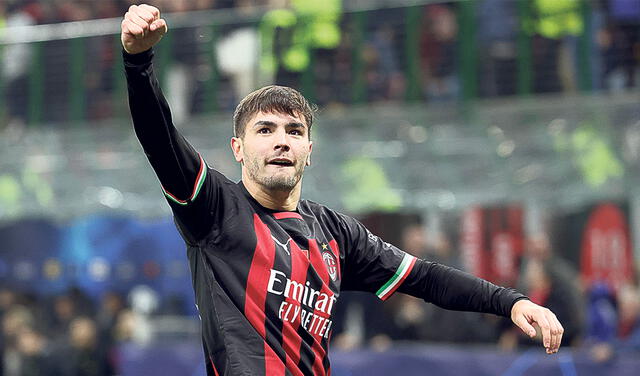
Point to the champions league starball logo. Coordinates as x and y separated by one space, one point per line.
330 262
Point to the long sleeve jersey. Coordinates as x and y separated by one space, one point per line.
266 282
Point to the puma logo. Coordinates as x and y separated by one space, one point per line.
283 245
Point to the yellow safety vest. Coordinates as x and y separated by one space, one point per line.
557 18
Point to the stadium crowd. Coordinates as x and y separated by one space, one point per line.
563 51
62 335
72 334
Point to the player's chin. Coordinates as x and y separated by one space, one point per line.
283 185
283 176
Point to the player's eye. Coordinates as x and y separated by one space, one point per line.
295 132
264 130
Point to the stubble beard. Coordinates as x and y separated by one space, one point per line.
278 182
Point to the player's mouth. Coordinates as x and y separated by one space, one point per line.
281 162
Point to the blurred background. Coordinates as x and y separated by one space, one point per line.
498 136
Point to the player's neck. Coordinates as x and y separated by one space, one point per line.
274 200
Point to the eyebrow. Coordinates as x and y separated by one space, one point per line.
268 123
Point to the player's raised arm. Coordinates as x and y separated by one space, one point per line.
180 169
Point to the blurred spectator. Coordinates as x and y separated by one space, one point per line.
620 43
7 300
539 247
102 57
66 308
125 326
14 321
614 322
383 74
602 322
555 26
84 355
111 306
497 31
64 311
16 62
438 52
35 358
334 70
629 313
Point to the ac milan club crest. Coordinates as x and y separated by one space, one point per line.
330 261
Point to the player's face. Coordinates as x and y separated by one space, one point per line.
274 150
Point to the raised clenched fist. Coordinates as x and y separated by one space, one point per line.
142 28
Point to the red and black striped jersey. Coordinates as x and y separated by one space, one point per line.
267 282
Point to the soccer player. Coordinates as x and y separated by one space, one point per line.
267 266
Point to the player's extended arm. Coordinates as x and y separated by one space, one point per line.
454 289
178 166
374 265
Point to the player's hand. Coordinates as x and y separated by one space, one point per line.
526 313
142 28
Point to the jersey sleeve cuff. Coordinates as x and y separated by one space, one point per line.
407 264
514 301
202 173
141 58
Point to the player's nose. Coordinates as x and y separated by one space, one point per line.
281 141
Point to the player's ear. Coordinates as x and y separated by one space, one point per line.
236 147
308 162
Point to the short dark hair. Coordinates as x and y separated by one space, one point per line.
272 98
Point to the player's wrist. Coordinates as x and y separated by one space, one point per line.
137 58
518 300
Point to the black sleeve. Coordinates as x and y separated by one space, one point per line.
454 289
187 182
379 267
